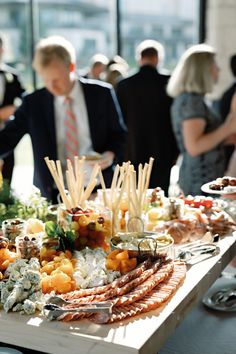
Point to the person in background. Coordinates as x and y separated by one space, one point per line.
68 117
225 103
199 132
117 69
115 73
11 89
146 109
97 69
231 167
117 59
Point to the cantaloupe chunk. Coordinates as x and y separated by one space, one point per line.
126 265
112 254
112 264
122 255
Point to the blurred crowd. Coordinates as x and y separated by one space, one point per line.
117 116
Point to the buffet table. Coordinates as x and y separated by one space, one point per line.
143 334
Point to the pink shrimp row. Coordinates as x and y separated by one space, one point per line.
145 287
113 292
127 295
156 298
115 284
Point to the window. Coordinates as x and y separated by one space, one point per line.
174 23
15 32
89 25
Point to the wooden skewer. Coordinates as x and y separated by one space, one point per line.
151 160
72 181
134 198
88 191
57 180
71 188
59 171
117 202
104 196
80 180
121 177
114 181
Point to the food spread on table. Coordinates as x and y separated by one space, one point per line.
104 260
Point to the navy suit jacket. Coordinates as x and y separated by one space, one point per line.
225 103
12 89
36 117
13 86
146 110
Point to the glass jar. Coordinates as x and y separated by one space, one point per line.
28 246
155 197
92 225
13 228
175 208
52 212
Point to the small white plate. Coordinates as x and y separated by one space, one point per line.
227 190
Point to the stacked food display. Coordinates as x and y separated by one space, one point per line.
105 260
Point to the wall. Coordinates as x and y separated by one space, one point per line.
221 33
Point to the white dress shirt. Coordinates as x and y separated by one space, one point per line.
80 112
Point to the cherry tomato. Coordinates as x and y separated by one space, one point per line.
197 202
208 202
189 200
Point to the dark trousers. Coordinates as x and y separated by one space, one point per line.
8 167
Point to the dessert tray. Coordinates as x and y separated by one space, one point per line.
224 185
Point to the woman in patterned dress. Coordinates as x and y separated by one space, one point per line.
199 131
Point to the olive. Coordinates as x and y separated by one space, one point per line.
101 220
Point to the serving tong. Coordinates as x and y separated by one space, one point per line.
194 250
56 307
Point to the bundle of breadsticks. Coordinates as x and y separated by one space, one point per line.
125 181
77 193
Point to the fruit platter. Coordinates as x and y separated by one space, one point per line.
104 260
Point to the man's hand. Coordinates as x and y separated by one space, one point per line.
6 112
105 161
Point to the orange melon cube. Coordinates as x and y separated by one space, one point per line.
126 265
122 255
112 254
112 264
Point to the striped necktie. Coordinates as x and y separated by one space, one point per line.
71 143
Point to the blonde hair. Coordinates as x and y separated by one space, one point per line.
53 47
192 73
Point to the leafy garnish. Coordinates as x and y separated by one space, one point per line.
11 206
66 238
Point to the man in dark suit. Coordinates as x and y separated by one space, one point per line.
10 90
42 114
225 103
146 109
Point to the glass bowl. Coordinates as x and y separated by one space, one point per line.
91 225
144 244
